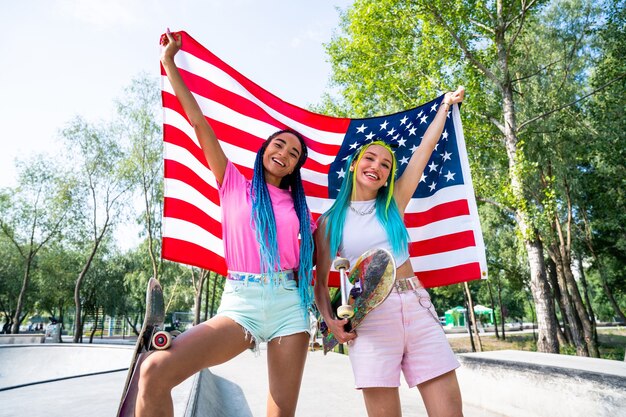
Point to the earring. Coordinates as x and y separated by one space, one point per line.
386 183
351 168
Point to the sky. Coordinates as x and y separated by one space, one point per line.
65 58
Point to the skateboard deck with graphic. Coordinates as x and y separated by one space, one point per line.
151 337
374 273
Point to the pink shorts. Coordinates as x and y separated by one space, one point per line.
403 333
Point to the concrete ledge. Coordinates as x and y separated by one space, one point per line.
529 384
214 396
26 338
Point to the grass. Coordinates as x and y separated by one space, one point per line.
611 343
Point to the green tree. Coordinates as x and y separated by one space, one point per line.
97 160
31 215
392 54
10 271
56 272
138 115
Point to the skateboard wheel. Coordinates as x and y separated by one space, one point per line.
345 312
161 340
341 263
175 333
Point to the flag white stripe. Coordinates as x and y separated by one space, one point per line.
230 117
445 259
192 233
471 198
237 155
440 228
184 157
218 77
182 191
445 195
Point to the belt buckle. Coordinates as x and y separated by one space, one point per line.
406 284
400 285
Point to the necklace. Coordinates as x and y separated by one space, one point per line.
364 212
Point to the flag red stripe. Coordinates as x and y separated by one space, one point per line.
440 244
244 106
179 209
331 124
234 136
437 213
452 275
177 137
433 278
182 251
315 190
182 173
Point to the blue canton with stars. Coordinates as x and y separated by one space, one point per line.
404 132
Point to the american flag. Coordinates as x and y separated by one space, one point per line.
446 240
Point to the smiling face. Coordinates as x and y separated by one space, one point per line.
281 157
371 171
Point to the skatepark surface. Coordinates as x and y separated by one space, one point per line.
70 380
73 380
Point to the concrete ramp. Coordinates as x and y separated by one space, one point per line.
68 380
34 364
533 384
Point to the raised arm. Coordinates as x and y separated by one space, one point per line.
408 182
208 141
322 297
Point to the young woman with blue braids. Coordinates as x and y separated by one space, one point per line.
267 292
402 334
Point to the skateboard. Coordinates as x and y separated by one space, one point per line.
373 275
151 337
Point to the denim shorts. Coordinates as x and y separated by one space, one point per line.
264 310
403 334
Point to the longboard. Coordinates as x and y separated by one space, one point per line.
374 273
151 337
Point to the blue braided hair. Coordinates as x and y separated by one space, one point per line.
387 211
263 221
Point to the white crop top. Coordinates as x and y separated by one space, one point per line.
362 231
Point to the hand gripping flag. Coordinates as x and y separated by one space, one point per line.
446 244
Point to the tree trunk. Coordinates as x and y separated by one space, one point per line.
197 307
206 299
565 336
473 316
467 321
547 340
15 327
592 316
95 325
592 348
572 316
493 308
214 294
565 250
501 308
